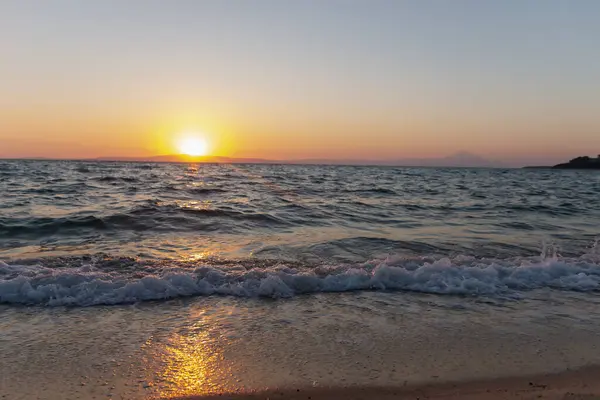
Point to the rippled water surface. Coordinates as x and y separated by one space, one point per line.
102 233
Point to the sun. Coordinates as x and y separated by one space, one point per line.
193 145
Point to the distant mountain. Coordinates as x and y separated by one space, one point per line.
461 159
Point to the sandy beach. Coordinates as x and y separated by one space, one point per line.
582 384
336 346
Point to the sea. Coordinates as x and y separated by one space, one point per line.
158 279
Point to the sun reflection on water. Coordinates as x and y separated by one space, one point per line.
196 205
203 255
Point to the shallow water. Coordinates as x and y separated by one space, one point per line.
83 233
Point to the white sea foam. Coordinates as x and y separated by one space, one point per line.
88 285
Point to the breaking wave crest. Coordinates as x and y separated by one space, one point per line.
91 284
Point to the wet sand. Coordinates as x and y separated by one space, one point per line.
581 384
335 346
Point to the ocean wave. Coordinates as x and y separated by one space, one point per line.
205 190
89 284
83 169
375 190
110 178
138 218
162 210
47 225
39 190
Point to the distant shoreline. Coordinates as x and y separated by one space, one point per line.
578 163
457 160
252 162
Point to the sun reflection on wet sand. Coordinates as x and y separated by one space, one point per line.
189 368
192 360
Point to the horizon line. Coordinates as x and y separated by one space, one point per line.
214 159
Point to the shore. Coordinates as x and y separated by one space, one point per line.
581 384
362 345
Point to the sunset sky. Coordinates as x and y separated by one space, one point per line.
509 80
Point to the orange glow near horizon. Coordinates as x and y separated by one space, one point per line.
252 134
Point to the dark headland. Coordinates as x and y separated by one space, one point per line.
583 162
